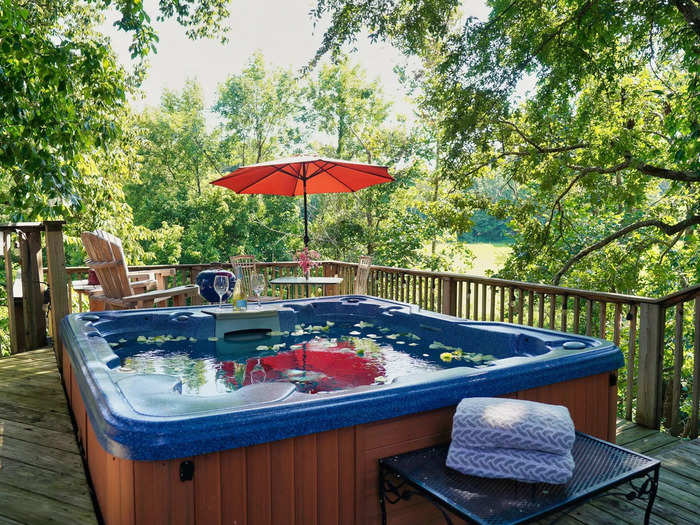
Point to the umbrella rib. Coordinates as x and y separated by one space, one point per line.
336 178
276 170
353 166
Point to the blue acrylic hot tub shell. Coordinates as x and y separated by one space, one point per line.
194 425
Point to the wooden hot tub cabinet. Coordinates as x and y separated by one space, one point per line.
317 479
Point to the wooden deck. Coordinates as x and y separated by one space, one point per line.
678 497
42 479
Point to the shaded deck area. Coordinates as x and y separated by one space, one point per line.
42 479
678 497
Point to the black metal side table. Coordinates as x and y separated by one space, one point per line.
600 466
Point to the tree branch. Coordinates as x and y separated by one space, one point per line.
690 9
539 148
647 169
664 173
557 204
668 229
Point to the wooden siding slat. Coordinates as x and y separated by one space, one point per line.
258 484
631 345
305 479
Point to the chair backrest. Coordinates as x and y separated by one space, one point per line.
362 275
106 257
246 265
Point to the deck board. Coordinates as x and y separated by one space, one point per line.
678 498
42 479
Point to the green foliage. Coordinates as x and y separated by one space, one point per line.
62 94
259 108
601 162
608 138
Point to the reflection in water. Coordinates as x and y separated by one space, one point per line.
315 359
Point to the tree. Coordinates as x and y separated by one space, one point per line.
603 156
62 93
345 105
259 108
171 195
392 221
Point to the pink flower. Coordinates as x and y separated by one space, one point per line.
306 259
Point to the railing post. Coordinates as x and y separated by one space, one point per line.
32 293
58 283
449 296
651 346
11 312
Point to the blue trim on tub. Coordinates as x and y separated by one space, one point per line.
126 433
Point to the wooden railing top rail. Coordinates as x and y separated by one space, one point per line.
12 226
666 301
535 287
680 296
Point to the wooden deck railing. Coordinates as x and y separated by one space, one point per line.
660 337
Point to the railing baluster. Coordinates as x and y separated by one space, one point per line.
603 318
617 328
564 311
540 310
467 308
459 284
511 300
503 303
629 393
577 314
492 312
476 301
589 317
693 433
552 310
484 297
521 304
531 308
677 366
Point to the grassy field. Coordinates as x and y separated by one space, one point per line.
487 257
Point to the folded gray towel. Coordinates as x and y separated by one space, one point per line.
490 422
523 465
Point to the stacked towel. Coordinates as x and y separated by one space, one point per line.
510 438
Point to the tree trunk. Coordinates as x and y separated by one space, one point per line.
690 9
341 136
436 187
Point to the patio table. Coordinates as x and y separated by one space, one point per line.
329 284
599 466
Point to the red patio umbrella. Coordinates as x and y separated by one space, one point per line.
303 175
324 368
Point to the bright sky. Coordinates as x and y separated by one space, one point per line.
281 29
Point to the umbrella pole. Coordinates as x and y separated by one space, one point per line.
306 224
306 218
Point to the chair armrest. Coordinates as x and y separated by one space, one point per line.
187 290
144 285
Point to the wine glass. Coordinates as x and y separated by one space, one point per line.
221 287
257 285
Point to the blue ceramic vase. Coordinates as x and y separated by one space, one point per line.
205 281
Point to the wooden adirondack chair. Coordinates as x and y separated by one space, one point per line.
362 275
119 291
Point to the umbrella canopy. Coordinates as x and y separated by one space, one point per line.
316 368
302 176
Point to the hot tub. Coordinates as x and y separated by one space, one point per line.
279 415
